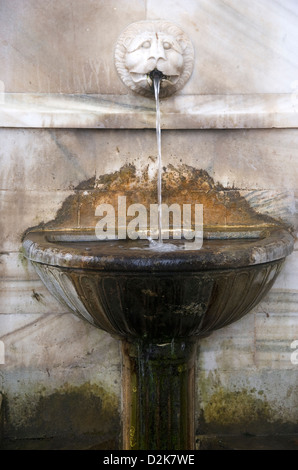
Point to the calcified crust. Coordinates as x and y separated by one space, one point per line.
147 45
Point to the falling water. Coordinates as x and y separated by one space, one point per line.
156 82
159 245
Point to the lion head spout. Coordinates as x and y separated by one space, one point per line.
146 46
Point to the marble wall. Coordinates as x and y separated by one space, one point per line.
67 47
246 380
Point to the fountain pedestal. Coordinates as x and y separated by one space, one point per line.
145 298
158 395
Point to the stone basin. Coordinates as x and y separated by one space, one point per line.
158 303
131 291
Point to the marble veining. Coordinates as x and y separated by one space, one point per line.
57 75
134 112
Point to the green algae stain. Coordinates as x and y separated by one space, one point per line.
226 408
87 408
69 411
22 259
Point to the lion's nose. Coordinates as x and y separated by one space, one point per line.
157 51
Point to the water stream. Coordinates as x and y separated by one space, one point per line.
156 82
158 244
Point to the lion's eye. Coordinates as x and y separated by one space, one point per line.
167 45
146 44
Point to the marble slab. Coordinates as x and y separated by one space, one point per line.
277 388
60 159
278 204
133 112
55 340
15 267
49 356
23 209
230 348
21 297
275 334
61 46
247 46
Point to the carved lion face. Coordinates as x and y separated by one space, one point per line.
149 45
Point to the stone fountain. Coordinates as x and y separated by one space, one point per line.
158 303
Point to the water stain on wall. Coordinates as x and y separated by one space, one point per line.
227 408
180 185
85 413
239 412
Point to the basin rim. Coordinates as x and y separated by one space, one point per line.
40 246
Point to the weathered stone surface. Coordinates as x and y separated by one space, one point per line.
45 354
246 53
132 112
240 47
